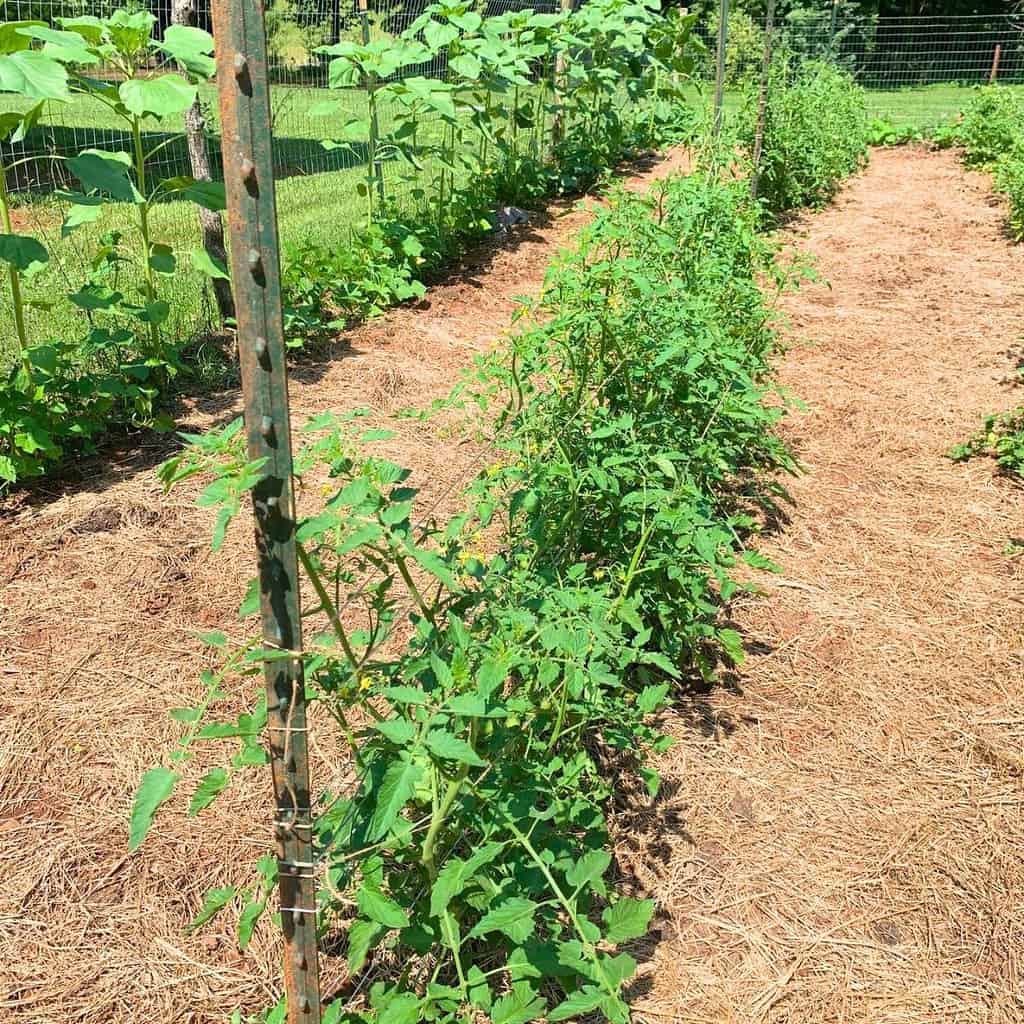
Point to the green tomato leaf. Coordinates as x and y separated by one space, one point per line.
382 909
520 1007
362 937
216 900
209 788
579 1002
512 917
251 913
155 788
396 789
627 919
399 731
442 743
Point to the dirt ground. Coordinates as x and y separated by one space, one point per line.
841 833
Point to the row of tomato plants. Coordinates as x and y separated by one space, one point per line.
619 64
511 662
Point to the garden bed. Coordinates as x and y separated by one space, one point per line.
839 831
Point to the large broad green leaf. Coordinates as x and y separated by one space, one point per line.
191 48
164 96
512 917
208 194
83 210
130 31
66 47
90 28
394 791
627 919
156 786
107 173
21 251
438 35
12 36
206 264
33 74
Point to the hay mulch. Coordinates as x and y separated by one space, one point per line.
842 838
841 831
105 581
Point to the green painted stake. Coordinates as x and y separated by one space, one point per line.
723 33
242 83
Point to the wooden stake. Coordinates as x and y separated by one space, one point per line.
995 64
762 99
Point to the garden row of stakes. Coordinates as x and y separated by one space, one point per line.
493 675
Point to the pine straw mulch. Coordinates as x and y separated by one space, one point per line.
105 581
846 820
840 833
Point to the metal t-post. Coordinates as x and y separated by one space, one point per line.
244 89
723 33
762 99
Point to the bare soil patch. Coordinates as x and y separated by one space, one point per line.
848 818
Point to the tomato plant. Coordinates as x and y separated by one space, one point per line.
483 671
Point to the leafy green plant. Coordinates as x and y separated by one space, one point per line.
483 672
324 289
989 126
814 135
881 132
1009 179
1002 437
65 392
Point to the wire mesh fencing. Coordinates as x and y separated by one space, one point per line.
916 70
317 184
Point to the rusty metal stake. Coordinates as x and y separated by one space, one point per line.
242 83
762 99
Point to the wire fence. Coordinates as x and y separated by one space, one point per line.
915 70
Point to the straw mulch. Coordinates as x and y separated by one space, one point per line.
840 833
844 835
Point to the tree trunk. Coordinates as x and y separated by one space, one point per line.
183 12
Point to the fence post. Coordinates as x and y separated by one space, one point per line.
762 98
558 76
242 83
995 64
723 33
371 85
183 12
